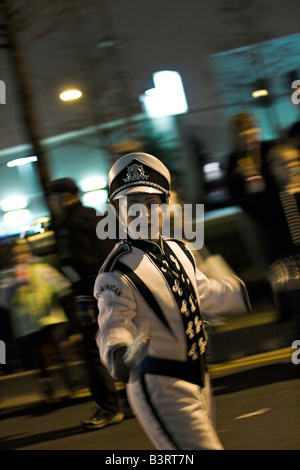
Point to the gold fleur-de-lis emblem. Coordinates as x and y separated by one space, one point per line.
191 300
163 268
184 308
198 324
175 262
189 330
192 352
202 345
177 288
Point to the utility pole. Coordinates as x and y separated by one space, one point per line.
124 105
25 90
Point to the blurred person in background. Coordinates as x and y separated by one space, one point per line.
247 169
294 135
282 229
151 298
12 357
263 179
246 179
82 253
31 290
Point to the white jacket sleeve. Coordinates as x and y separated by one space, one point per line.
221 298
117 309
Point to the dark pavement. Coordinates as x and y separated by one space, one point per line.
257 408
240 337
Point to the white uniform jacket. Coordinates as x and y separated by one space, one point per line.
142 283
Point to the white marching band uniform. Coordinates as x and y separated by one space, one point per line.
144 285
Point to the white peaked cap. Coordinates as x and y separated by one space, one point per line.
138 172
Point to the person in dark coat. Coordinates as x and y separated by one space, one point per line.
263 179
282 229
294 134
247 168
81 254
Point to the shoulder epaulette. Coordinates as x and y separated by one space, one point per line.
113 257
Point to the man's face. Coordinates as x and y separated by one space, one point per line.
143 212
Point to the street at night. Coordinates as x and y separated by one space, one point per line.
149 228
257 408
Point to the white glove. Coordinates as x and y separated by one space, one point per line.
136 352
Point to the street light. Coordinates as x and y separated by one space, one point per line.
13 203
167 97
21 161
260 93
70 95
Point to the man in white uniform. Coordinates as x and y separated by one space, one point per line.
151 298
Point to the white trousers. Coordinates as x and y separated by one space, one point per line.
176 415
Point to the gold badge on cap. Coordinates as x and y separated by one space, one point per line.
135 173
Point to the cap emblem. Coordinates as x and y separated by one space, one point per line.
135 173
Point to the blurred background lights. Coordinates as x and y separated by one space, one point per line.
211 167
260 93
13 203
212 171
70 95
96 199
95 195
93 183
17 218
167 97
21 161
